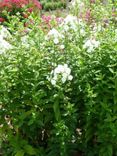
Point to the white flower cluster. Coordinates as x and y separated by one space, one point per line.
62 72
70 22
77 5
55 35
4 45
4 32
74 3
91 44
25 41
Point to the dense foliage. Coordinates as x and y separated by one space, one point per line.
58 87
53 5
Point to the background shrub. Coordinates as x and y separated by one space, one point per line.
51 5
22 7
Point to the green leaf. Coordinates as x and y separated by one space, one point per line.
20 153
57 109
30 150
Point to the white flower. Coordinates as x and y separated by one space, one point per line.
91 44
59 69
4 32
65 65
54 33
70 77
65 75
24 39
62 47
70 19
27 41
53 82
65 27
4 45
97 28
56 41
77 3
82 32
55 77
61 72
96 43
63 79
68 71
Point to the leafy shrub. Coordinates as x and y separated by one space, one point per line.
35 113
53 5
58 90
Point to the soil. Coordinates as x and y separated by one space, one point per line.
78 154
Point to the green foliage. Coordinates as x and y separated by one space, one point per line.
34 113
51 5
42 118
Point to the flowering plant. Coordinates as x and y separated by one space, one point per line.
24 7
58 89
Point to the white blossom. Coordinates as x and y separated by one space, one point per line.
91 44
62 47
61 72
70 77
63 79
4 45
53 82
59 69
65 27
67 70
79 4
70 19
54 33
24 39
4 33
56 41
82 32
70 22
27 41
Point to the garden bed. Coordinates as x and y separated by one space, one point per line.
58 81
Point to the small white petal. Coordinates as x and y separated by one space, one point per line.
62 47
53 82
70 77
68 71
65 75
56 41
65 65
59 69
55 77
63 79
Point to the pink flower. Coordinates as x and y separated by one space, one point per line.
92 1
88 15
37 4
2 20
30 10
59 19
46 19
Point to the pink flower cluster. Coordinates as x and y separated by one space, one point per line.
49 21
10 5
19 3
